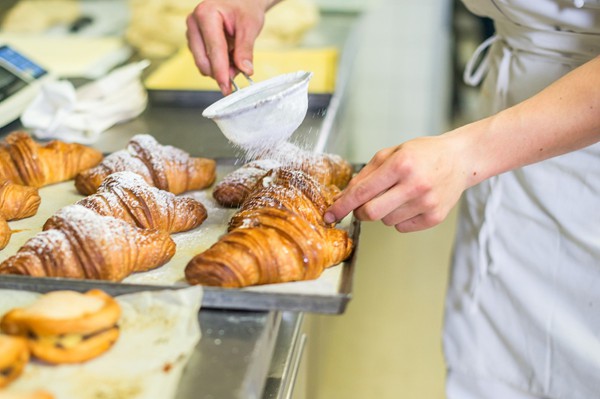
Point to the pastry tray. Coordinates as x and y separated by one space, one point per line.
329 294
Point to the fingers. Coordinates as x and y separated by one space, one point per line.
418 223
373 179
244 47
196 46
369 168
382 205
400 208
360 193
208 43
215 43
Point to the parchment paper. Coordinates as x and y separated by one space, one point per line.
159 331
189 243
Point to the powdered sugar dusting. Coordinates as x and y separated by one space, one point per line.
136 185
147 157
122 160
104 230
251 172
291 155
47 241
158 155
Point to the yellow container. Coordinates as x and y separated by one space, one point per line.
180 73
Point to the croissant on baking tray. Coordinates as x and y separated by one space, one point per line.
233 189
24 161
18 201
277 236
127 196
288 189
162 166
78 243
5 233
327 169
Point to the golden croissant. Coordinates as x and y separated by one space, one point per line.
127 196
233 189
26 162
278 238
326 169
162 166
81 244
18 201
5 233
288 189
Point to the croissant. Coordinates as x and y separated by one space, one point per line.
18 201
127 196
5 233
81 244
26 162
162 166
233 189
277 241
326 169
288 189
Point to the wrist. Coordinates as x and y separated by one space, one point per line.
475 158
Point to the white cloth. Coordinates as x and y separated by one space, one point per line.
62 112
524 296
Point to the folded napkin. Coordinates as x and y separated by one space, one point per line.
60 111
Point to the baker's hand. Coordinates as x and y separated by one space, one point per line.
412 186
221 35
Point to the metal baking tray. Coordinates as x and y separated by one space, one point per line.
328 294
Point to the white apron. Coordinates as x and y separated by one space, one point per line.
523 304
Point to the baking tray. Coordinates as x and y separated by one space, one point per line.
329 294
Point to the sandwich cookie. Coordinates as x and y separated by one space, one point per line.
66 326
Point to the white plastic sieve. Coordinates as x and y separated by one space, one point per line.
264 113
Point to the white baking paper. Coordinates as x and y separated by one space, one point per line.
159 330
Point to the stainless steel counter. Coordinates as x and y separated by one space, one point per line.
244 355
233 356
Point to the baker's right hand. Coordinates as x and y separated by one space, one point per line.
221 35
412 186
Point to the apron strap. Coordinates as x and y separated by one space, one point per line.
485 265
473 75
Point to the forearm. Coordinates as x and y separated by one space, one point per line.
562 118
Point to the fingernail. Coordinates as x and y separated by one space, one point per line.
249 66
224 88
329 217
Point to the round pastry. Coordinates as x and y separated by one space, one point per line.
14 355
66 326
